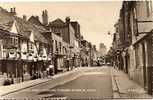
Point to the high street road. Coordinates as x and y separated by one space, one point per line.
92 84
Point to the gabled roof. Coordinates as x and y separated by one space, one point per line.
27 27
58 21
6 20
35 20
74 23
23 27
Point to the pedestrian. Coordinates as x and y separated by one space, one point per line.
51 70
44 74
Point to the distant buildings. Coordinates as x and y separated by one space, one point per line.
102 49
101 54
28 47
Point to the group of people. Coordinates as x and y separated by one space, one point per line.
45 74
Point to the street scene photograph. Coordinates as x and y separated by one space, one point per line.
76 50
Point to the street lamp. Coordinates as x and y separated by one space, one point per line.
109 33
55 61
71 47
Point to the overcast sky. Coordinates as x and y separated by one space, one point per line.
95 18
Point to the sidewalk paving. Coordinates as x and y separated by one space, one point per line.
57 80
123 87
127 88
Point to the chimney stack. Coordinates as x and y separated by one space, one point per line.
45 17
13 11
37 17
24 17
67 19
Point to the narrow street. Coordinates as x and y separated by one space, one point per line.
93 84
76 50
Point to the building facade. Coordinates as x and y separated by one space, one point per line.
29 47
23 49
135 34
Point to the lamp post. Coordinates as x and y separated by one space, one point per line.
55 62
35 64
73 58
112 50
67 62
71 62
88 55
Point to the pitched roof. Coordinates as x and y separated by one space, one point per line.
76 28
26 26
23 27
4 33
6 20
58 21
35 20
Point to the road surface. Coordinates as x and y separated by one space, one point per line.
94 84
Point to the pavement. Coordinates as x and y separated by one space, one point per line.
123 87
94 83
57 80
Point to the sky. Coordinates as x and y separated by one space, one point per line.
95 18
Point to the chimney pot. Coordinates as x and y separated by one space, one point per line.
37 17
11 10
67 19
24 17
44 17
14 10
